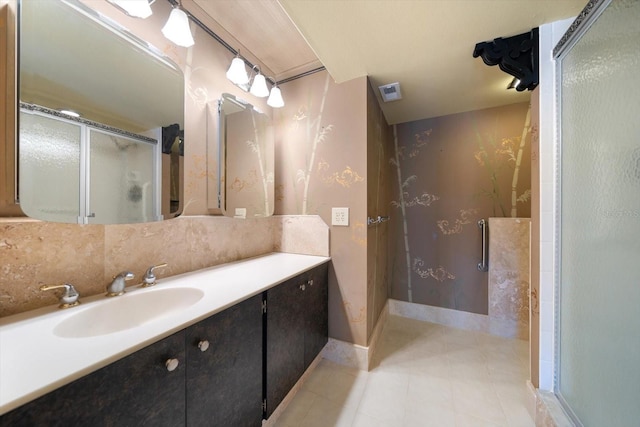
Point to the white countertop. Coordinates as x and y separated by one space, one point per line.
35 361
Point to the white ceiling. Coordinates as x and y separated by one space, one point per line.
426 45
261 30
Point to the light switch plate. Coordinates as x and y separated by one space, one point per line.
340 216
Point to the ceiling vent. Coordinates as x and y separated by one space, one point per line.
390 92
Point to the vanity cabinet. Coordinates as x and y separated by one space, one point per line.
217 381
224 367
227 364
134 391
296 330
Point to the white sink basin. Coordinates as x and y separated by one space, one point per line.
126 311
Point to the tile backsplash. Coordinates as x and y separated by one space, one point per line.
33 253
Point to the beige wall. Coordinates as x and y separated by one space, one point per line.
321 162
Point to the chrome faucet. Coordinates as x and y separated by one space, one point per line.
116 287
149 278
69 297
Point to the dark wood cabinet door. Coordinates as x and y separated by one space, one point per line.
224 382
137 390
316 308
284 341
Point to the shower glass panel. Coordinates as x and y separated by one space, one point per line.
599 287
50 161
129 163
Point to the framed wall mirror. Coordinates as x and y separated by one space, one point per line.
120 159
246 159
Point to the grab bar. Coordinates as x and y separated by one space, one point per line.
484 265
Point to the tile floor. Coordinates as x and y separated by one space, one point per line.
425 375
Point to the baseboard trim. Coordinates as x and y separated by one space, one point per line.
354 355
457 319
361 357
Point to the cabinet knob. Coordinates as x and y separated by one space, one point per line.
303 287
310 282
172 364
203 345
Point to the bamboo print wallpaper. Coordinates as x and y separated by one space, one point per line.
321 141
449 172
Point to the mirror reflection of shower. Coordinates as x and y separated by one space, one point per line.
102 155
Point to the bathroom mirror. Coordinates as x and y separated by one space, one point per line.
246 173
120 161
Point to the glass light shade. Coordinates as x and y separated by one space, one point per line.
237 72
177 28
275 98
259 86
135 8
70 113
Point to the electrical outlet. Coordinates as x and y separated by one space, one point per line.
340 216
240 213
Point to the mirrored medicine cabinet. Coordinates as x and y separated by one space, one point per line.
246 159
121 159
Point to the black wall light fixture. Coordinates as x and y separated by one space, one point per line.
517 56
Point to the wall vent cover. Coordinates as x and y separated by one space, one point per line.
390 92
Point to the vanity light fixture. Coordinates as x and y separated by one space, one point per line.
177 27
259 85
134 8
275 97
237 72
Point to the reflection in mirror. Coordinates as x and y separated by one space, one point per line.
121 160
54 149
246 143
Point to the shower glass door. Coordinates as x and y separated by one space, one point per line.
49 167
129 164
598 341
74 171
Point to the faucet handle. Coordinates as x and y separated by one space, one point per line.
69 297
125 275
149 277
117 285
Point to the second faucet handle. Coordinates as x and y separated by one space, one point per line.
150 277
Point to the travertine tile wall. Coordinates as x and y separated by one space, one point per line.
33 253
509 273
